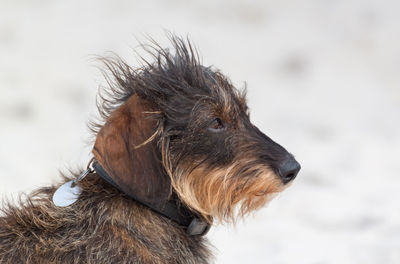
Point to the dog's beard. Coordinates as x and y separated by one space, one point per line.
229 193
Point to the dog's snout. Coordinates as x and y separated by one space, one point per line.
289 169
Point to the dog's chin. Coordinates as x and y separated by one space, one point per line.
263 200
226 195
260 192
247 206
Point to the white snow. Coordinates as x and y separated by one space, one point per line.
323 80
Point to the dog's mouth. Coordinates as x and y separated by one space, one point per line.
268 183
262 193
268 192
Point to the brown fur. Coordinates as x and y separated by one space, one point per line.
103 226
173 130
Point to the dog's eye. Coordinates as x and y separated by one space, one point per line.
216 125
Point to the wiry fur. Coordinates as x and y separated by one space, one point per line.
186 95
172 130
103 226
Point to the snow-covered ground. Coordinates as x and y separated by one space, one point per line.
323 80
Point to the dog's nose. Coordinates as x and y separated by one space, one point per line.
289 170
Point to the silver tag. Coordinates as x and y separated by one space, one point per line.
67 194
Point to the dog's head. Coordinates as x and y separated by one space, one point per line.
176 127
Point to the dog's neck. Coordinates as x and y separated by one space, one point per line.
173 209
126 158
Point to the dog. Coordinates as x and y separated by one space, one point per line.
175 151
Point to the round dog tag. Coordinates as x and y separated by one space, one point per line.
66 194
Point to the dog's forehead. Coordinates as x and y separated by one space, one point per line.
228 98
222 102
204 85
230 103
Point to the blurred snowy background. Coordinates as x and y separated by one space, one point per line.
323 79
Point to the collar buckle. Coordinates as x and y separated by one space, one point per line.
198 227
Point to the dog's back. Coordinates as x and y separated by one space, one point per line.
103 226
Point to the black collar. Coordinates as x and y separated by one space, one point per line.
193 224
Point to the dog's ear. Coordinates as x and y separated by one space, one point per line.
133 164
